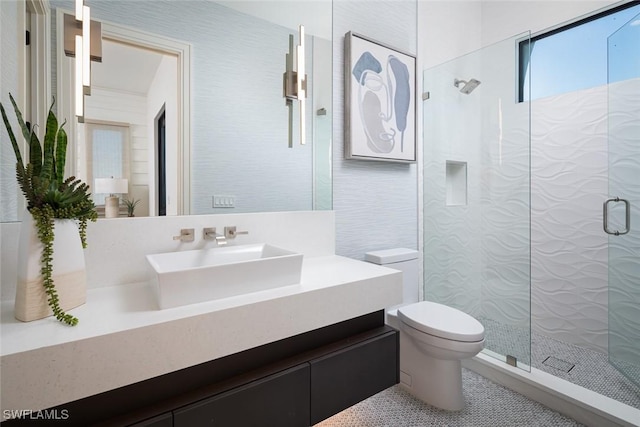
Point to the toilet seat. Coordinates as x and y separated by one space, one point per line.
441 321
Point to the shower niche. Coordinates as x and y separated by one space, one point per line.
456 179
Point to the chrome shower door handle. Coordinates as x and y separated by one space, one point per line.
627 215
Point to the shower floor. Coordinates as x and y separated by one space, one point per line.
587 368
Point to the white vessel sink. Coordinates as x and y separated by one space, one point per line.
189 277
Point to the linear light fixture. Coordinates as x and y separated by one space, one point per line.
79 7
82 40
295 84
86 48
301 83
79 90
83 47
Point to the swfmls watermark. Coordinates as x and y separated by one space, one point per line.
30 414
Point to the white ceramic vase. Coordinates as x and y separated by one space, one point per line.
69 274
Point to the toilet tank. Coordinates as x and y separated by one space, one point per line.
405 260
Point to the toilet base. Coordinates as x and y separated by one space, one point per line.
434 381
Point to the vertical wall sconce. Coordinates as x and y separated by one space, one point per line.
82 40
295 84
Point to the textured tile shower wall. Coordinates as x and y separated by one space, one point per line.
477 252
452 234
624 269
569 247
569 184
375 202
476 256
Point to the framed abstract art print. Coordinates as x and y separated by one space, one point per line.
380 104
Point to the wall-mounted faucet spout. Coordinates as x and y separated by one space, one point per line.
209 233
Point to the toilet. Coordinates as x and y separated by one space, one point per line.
434 338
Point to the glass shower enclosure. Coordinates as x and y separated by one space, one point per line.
477 195
621 212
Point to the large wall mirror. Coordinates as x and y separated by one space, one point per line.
188 105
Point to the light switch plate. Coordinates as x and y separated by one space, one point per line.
224 201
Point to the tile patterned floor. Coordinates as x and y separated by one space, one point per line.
491 405
591 368
487 404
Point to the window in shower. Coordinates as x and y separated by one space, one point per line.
574 56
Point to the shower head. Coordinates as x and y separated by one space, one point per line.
468 87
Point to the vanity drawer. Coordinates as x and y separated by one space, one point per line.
164 420
280 399
346 377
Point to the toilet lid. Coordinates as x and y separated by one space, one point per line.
441 321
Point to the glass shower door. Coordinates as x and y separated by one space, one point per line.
621 212
477 195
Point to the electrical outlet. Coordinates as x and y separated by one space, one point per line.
224 201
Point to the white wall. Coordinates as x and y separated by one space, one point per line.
116 249
448 29
11 37
375 202
503 19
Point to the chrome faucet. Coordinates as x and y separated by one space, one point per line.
186 235
231 232
209 233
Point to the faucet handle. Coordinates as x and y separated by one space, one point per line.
186 235
231 232
209 233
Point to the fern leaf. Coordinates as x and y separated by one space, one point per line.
24 177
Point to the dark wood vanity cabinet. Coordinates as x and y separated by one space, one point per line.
297 381
163 420
305 394
280 399
345 377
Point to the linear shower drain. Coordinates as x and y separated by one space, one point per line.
559 364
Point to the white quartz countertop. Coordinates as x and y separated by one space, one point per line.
123 337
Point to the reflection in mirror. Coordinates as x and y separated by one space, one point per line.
131 114
232 146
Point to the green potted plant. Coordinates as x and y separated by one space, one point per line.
51 201
131 206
